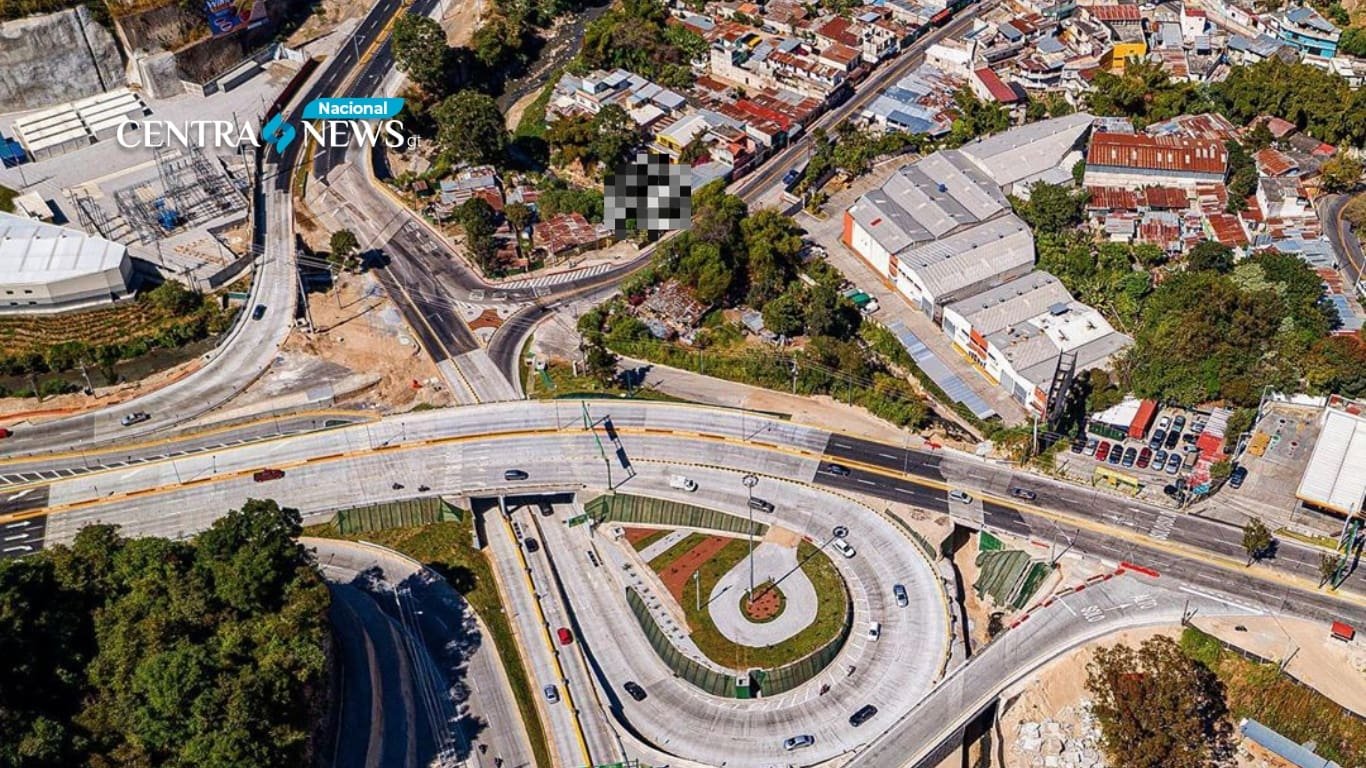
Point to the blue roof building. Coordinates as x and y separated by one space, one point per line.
1282 747
1309 32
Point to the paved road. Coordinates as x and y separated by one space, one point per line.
1124 602
879 472
454 453
251 346
419 683
1344 240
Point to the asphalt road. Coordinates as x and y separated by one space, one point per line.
420 686
1344 240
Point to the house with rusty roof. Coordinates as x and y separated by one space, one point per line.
1134 161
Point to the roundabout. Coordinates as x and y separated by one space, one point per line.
356 465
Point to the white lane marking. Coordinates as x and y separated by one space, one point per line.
1193 591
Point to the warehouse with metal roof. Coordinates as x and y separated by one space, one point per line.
44 267
939 229
1335 478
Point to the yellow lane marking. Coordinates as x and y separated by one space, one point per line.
549 643
1181 550
129 448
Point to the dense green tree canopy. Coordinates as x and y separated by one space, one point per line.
150 652
1159 708
421 52
470 128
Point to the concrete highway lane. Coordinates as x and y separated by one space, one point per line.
22 537
381 722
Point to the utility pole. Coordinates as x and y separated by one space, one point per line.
750 481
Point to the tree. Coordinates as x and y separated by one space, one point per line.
1143 92
783 315
1328 566
1210 255
421 52
342 249
615 135
830 314
1159 708
1257 539
1340 173
1051 208
173 297
470 128
600 362
773 244
519 217
478 220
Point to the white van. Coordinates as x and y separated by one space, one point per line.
841 546
682 483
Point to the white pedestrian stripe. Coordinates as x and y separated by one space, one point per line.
556 279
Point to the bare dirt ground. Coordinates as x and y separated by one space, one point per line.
518 108
676 575
461 19
327 15
360 331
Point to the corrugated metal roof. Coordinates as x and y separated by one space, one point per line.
977 254
1336 476
939 373
1283 747
1160 153
35 252
1028 150
1011 303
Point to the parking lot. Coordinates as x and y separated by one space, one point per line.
1161 461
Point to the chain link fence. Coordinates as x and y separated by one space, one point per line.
396 514
625 508
712 681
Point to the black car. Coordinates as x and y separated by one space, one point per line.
635 690
1023 493
546 509
531 545
760 505
1078 446
1236 478
1130 455
863 715
837 469
259 312
1173 437
515 474
1178 423
1155 441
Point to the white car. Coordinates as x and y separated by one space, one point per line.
874 630
958 495
682 483
841 546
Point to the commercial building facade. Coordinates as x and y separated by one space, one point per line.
44 267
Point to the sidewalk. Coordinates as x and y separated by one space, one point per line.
818 411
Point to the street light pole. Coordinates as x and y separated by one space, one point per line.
750 481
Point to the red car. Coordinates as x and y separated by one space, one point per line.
4 433
263 475
1145 457
1103 451
565 637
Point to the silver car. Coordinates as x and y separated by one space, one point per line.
552 694
799 742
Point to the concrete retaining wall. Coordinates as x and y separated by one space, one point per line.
54 58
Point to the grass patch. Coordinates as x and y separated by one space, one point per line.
1299 713
532 122
445 548
1327 542
564 384
7 196
719 648
665 558
641 543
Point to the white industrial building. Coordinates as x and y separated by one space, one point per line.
939 230
44 267
1019 332
1335 478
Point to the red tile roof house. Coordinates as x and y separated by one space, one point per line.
990 87
1134 161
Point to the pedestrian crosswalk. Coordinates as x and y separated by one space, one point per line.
558 278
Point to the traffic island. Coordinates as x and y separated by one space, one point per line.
765 605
